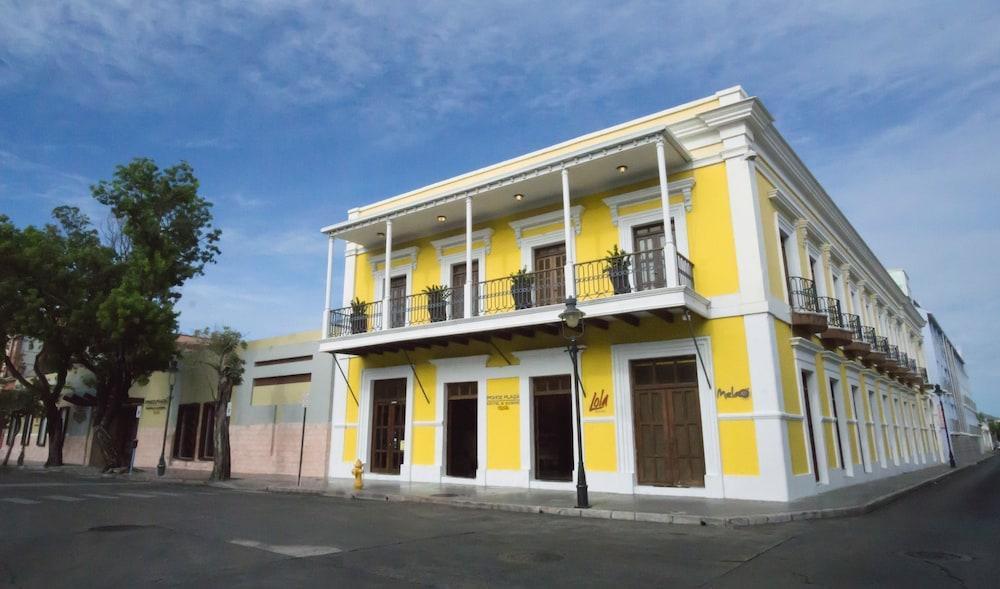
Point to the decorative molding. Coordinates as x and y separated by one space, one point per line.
483 235
406 253
682 187
784 205
544 219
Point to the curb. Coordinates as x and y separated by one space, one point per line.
666 518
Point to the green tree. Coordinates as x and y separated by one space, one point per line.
223 354
160 235
46 284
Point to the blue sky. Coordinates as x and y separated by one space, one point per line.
294 111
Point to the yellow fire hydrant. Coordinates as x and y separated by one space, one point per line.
356 471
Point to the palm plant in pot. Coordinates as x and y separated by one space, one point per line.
437 302
618 266
359 316
521 283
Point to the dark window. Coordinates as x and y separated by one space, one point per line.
206 448
282 360
40 438
13 428
287 379
64 416
26 435
186 432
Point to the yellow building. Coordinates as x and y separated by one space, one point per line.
740 338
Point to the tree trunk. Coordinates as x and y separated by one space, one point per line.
221 462
54 432
105 432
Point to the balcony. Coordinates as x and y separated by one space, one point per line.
879 346
857 347
806 313
837 331
625 287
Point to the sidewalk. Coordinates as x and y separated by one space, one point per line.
849 501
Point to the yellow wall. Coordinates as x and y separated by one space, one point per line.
503 441
771 246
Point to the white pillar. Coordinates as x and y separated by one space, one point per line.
570 238
669 249
329 287
388 274
467 292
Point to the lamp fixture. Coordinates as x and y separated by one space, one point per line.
518 196
622 169
442 218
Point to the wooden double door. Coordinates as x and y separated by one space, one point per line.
550 274
388 425
666 409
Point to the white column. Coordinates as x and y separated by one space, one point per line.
467 292
329 287
570 238
669 249
388 274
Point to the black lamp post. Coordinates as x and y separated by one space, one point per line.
161 466
572 322
944 418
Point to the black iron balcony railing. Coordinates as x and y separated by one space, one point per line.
894 353
881 344
803 294
358 318
904 360
685 272
831 307
870 338
635 272
923 374
853 323
595 279
913 366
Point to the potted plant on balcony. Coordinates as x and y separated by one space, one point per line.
359 316
618 267
437 302
521 283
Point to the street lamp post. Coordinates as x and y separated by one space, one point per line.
161 466
944 418
572 320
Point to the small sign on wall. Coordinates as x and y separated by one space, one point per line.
229 409
734 393
503 401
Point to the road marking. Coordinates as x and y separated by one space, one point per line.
20 501
65 498
165 493
99 496
137 495
293 550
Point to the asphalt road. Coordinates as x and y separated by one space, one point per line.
60 531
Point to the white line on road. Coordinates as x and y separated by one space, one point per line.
65 498
20 501
293 550
164 493
137 495
99 496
